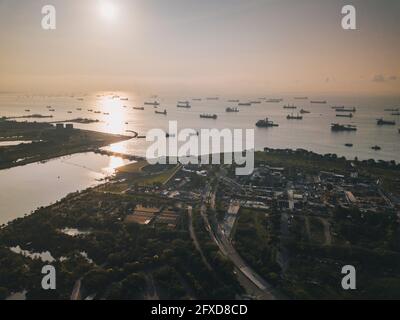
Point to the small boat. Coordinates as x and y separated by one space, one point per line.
376 148
106 113
79 109
97 112
161 112
126 122
48 107
90 110
196 99
292 117
265 123
350 145
69 111
212 98
138 108
302 111
209 116
255 102
232 109
27 110
52 110
395 114
244 104
233 101
124 99
301 98
381 122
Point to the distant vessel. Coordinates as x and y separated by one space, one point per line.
346 110
273 100
292 117
196 99
288 106
392 109
80 99
106 113
233 101
161 112
90 110
244 104
376 148
318 101
338 107
69 111
154 103
349 145
255 102
302 111
97 112
341 127
27 110
212 98
349 115
79 109
209 116
232 109
381 122
124 99
395 114
138 108
52 110
183 104
265 123
301 98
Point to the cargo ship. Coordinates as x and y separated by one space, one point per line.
381 122
232 110
292 117
154 103
161 112
183 104
318 101
209 116
274 100
341 127
265 123
346 110
392 109
349 115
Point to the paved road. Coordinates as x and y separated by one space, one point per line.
194 238
251 281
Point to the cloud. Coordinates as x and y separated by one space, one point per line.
379 78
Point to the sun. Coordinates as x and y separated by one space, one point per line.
108 10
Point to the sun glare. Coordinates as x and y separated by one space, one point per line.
108 10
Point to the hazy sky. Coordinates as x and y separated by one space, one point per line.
214 46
